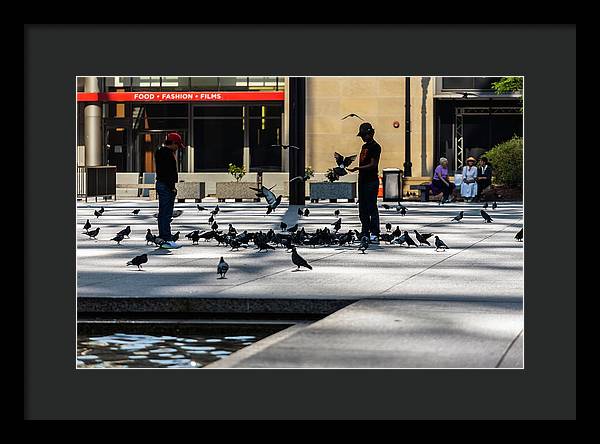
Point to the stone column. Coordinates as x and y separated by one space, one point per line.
92 126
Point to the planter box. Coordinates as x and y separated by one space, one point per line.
332 191
236 190
190 190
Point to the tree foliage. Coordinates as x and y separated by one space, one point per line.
507 162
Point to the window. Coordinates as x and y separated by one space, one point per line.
467 83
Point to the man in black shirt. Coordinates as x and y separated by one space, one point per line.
166 178
368 182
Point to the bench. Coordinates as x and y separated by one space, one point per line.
425 189
143 186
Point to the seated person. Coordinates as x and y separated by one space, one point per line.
468 187
484 175
440 182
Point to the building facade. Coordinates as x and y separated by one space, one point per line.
122 120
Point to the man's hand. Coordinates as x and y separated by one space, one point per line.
353 169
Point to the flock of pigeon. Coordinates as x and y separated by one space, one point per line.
288 237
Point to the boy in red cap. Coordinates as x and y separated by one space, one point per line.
166 178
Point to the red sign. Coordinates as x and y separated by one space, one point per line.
180 96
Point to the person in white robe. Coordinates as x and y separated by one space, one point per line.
468 187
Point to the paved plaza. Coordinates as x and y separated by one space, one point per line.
416 307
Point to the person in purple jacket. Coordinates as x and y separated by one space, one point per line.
440 182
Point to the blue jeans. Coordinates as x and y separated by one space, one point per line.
166 202
367 206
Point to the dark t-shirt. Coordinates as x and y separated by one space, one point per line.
370 150
166 166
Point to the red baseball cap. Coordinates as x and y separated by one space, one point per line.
175 137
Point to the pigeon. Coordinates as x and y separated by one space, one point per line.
136 212
235 244
467 94
485 205
519 235
87 226
175 214
298 260
274 205
306 212
175 237
214 226
402 211
211 219
269 196
101 210
459 216
97 214
300 178
283 226
149 236
342 163
190 234
262 245
292 229
364 244
352 115
158 241
337 225
409 240
232 230
200 208
222 268
300 212
285 147
138 260
118 238
386 206
440 244
422 238
336 213
388 227
386 237
195 237
494 206
216 210
397 232
92 234
400 239
488 219
125 232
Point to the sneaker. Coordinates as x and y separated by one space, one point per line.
170 245
374 239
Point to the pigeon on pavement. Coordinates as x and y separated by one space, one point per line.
459 216
175 237
519 235
409 240
149 236
87 226
336 213
299 261
488 219
214 226
125 231
222 268
422 238
364 244
200 208
306 212
136 211
388 227
494 206
397 232
337 224
485 205
118 238
138 260
440 244
97 214
92 234
293 229
300 212
283 226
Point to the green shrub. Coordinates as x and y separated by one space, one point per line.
331 175
507 162
309 172
236 171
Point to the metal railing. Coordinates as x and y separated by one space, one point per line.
96 181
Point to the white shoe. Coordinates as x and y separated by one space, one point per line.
170 245
374 239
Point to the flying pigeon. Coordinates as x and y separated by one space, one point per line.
138 260
269 196
273 206
300 178
467 94
488 219
222 268
125 231
306 212
440 244
136 211
352 115
87 226
494 206
459 216
285 147
118 238
388 227
92 234
519 235
364 244
342 163
298 260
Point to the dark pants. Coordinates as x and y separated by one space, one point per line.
438 186
482 184
166 202
367 207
